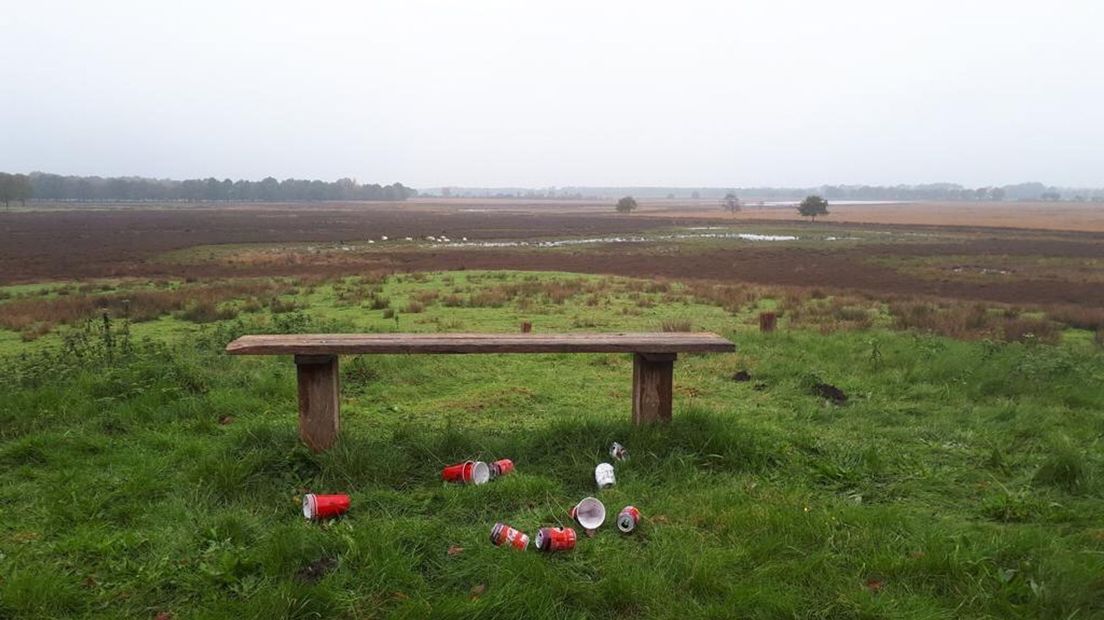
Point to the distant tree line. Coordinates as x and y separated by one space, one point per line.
930 191
954 192
14 187
44 186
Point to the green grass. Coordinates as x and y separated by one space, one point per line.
962 479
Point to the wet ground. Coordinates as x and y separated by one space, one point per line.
53 245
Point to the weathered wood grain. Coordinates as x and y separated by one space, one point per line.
653 388
360 344
319 400
316 360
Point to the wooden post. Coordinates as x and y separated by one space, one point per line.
319 383
767 321
653 385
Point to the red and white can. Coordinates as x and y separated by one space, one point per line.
468 472
628 519
502 534
555 539
618 452
501 467
318 507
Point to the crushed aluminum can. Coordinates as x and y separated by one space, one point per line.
618 452
502 534
628 519
501 467
589 513
317 507
555 539
468 472
603 475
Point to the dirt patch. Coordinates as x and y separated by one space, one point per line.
314 571
834 269
740 376
1022 215
829 392
123 242
79 243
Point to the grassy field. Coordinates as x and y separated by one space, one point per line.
143 472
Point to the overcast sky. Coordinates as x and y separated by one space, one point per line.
766 92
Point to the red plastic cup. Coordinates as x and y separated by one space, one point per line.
628 519
555 539
501 467
468 472
317 507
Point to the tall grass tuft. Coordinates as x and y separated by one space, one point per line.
1080 317
1064 469
206 311
676 325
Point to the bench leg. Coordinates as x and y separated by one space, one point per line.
318 400
653 384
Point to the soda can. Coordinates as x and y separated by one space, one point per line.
618 452
502 534
501 467
555 539
317 507
589 513
468 472
628 519
603 475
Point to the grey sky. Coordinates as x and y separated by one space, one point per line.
558 93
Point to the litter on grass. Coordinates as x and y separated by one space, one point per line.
628 519
468 472
317 507
618 452
589 513
603 475
555 539
501 467
502 534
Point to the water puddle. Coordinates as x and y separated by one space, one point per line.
988 271
559 243
691 233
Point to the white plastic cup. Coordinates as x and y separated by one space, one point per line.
481 473
603 475
589 513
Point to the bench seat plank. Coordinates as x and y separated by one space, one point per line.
357 344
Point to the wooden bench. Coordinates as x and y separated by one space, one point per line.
316 355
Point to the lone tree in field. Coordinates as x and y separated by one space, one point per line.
626 205
813 206
732 203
